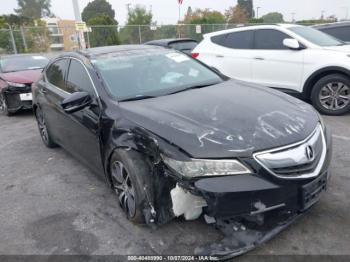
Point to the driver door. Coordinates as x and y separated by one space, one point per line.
83 138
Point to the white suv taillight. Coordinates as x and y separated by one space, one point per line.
195 55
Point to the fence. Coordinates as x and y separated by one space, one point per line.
56 39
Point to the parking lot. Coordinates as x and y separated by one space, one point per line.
51 204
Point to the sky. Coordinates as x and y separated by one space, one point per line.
166 11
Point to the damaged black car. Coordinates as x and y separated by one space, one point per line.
173 137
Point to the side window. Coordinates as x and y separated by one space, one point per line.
219 39
56 72
342 33
78 79
240 40
269 39
236 40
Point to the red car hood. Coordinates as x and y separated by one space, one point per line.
22 77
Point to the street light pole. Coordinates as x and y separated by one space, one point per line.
14 47
77 16
257 12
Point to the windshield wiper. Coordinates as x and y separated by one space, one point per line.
140 97
193 87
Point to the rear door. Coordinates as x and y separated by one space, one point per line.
233 54
275 65
53 93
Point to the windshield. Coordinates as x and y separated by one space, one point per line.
155 73
22 63
315 36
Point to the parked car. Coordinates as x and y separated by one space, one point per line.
340 30
185 45
17 73
174 138
298 60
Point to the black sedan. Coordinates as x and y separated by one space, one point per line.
185 45
174 138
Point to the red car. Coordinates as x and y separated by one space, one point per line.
17 73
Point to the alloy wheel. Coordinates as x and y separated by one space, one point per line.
42 126
124 188
334 96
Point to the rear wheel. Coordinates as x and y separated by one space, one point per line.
331 95
3 106
44 132
128 171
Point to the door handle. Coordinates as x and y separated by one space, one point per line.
259 58
220 56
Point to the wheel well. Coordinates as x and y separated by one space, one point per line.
309 84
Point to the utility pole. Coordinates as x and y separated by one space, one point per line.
77 16
322 14
257 12
128 7
293 17
346 12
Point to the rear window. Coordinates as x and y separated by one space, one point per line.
22 63
236 40
184 46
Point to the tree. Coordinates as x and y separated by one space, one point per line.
204 16
34 9
247 5
273 17
36 38
137 28
236 15
99 8
103 36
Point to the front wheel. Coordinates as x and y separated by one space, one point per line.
331 95
129 172
3 106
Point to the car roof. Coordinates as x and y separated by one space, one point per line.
332 25
99 51
166 42
252 27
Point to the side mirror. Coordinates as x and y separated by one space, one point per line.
76 102
291 43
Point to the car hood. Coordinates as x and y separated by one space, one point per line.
230 119
22 77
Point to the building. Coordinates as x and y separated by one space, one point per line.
62 33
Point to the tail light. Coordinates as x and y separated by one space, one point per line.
195 55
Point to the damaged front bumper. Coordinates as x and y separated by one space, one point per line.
248 209
18 98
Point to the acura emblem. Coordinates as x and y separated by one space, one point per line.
309 153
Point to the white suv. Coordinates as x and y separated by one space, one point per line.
296 59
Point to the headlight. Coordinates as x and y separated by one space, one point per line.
204 168
15 84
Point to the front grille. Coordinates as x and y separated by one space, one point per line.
23 89
300 160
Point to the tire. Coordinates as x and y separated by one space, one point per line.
128 172
331 95
43 129
3 106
